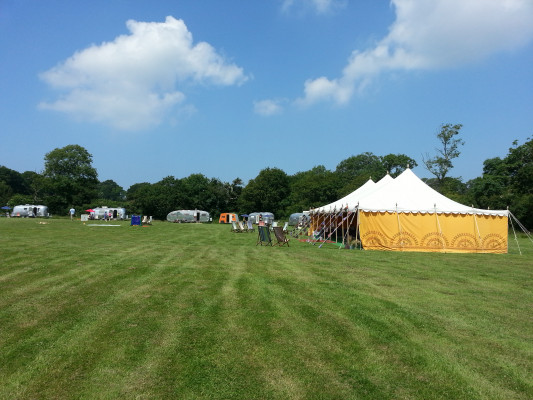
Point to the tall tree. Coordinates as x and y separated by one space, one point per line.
36 184
195 191
520 167
110 190
269 191
160 198
356 170
395 164
14 180
234 191
441 164
71 180
5 193
507 182
312 188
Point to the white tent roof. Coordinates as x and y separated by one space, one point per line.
406 193
346 200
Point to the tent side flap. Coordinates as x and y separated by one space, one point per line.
448 233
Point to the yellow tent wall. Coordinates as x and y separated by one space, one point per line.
448 233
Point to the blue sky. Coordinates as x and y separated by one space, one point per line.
227 88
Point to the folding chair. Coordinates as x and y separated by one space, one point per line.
235 228
250 226
280 236
263 236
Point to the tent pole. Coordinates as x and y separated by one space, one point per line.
325 225
528 234
440 229
357 227
348 224
337 226
478 232
400 236
342 226
342 232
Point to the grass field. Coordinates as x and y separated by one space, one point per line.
191 311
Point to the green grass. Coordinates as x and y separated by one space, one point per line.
197 312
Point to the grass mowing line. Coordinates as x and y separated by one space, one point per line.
221 317
100 321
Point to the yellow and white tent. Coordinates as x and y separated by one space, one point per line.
405 214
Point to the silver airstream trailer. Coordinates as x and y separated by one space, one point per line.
268 217
188 216
294 219
112 212
299 219
30 210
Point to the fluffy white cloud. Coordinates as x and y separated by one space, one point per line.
430 35
268 107
131 83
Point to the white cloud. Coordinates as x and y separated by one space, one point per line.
319 6
136 80
268 107
430 35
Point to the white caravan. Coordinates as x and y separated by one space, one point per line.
30 210
188 216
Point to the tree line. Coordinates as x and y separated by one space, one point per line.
70 180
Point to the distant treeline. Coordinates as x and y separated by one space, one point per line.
70 180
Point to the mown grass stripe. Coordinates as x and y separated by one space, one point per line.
195 311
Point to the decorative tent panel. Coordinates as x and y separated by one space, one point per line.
433 232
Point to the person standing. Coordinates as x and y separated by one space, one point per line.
72 211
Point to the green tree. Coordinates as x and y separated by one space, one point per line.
312 188
195 190
111 190
234 191
5 193
36 184
71 179
18 199
487 191
395 164
356 170
507 182
132 197
520 167
14 180
519 163
441 164
133 190
160 198
269 191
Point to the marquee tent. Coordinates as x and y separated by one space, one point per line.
405 214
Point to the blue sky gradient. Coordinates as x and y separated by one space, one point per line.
227 88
